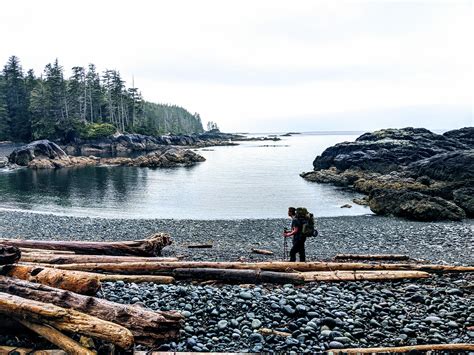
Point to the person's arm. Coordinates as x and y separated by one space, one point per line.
291 233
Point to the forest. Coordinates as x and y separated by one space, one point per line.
86 105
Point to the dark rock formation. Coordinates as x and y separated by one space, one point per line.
452 166
464 198
463 135
413 205
386 150
431 172
42 149
142 143
47 155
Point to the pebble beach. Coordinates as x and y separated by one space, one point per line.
319 315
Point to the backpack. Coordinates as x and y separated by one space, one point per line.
307 220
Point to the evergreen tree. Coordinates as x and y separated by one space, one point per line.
16 100
5 133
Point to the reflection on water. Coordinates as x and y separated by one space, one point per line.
246 181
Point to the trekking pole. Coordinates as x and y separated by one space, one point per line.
285 248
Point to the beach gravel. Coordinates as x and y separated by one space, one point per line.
318 316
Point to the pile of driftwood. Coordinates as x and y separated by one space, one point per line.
49 287
59 305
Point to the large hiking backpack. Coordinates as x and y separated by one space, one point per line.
307 220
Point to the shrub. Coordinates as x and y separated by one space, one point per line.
98 130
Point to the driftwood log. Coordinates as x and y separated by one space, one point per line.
278 266
9 254
145 325
57 338
157 279
145 247
239 276
371 257
200 246
44 251
65 319
76 281
376 275
407 349
262 251
81 259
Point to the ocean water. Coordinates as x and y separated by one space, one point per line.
257 179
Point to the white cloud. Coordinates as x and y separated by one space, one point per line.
245 64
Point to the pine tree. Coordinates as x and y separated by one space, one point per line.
5 133
16 100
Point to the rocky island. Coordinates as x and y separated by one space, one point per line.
410 172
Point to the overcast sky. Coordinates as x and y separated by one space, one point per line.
267 65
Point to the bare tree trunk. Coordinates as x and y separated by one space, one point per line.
372 257
163 267
57 338
145 247
81 259
407 349
76 281
65 319
147 326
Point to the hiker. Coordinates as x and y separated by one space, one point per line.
297 235
291 214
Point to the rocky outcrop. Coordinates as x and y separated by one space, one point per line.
47 155
42 149
143 143
386 150
432 172
464 198
414 205
452 166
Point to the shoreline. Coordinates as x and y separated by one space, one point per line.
435 242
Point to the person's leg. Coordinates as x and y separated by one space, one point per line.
293 251
302 253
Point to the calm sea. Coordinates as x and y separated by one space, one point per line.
257 179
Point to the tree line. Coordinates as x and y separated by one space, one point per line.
88 104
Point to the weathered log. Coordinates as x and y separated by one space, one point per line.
145 247
76 281
199 246
81 259
9 254
137 278
45 251
65 319
57 338
262 251
146 325
371 257
278 266
406 349
357 275
7 350
240 276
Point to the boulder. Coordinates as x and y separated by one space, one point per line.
464 198
42 149
3 162
413 205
